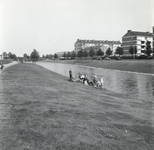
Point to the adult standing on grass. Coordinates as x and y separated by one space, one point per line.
70 74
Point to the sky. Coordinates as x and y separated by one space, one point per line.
52 26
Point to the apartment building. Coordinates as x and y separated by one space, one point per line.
137 40
60 54
96 44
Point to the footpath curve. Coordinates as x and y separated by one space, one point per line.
8 65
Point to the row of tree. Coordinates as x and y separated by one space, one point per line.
91 53
9 56
34 56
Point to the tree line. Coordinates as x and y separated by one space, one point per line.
91 53
34 56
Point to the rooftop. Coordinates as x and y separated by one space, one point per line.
137 33
98 41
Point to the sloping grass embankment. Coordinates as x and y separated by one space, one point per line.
42 110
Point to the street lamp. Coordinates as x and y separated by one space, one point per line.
133 48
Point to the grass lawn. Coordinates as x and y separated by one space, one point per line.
42 110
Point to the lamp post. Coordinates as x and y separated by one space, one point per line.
134 52
133 48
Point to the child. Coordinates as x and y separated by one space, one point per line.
101 82
85 80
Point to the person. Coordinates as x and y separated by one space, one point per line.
101 82
70 74
80 78
85 80
95 82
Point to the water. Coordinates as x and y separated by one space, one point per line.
136 85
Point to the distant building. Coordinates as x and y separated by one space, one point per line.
4 55
1 57
60 54
137 40
96 44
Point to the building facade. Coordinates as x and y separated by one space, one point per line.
60 54
136 40
96 44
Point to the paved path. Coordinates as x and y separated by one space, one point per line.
8 65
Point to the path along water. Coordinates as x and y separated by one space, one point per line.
136 85
8 65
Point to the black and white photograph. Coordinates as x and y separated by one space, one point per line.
76 74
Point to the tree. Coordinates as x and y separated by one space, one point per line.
119 50
80 53
148 48
132 50
68 54
14 57
109 51
64 54
91 52
47 56
73 54
34 55
55 56
50 56
25 56
99 52
10 55
85 53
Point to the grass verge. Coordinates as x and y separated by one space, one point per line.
41 110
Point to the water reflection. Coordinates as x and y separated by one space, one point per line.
136 85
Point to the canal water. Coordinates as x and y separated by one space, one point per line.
136 85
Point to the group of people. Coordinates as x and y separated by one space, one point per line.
83 78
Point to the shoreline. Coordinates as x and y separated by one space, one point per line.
139 66
94 65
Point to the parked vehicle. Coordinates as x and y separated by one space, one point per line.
107 58
118 58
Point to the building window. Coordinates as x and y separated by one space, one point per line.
142 47
142 51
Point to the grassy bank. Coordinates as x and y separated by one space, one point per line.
142 66
41 110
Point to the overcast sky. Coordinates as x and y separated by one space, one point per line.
51 26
